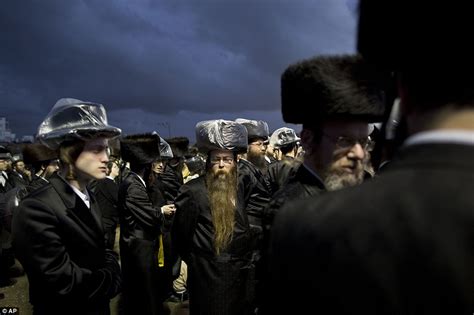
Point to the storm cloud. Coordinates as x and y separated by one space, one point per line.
161 65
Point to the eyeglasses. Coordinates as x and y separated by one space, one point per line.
263 144
344 142
225 160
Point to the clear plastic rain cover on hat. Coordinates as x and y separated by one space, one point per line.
255 128
221 134
283 136
165 150
77 119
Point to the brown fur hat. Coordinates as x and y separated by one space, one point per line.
331 86
179 146
38 152
140 148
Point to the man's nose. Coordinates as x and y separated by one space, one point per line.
104 157
357 152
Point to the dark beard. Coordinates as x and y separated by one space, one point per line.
222 190
258 160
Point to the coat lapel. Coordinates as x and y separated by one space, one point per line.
88 219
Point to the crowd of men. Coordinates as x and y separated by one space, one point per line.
248 222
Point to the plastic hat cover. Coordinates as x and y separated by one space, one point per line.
221 134
283 136
255 128
72 118
165 150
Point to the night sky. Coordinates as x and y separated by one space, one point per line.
161 65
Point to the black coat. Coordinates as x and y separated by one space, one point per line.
60 243
171 180
279 172
171 257
256 191
106 193
140 226
402 243
301 184
217 284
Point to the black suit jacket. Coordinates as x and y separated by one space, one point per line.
60 243
106 193
402 243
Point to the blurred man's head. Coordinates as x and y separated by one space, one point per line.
113 168
434 75
18 164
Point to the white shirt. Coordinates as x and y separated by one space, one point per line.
3 178
441 136
84 196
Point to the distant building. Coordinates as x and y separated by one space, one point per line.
28 139
5 133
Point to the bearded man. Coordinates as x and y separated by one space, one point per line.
336 140
211 231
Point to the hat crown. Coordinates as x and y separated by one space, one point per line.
165 150
221 134
255 128
140 148
72 117
283 136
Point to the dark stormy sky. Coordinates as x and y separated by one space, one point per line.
161 65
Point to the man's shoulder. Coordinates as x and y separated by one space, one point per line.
340 208
195 184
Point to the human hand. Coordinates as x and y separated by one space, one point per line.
169 209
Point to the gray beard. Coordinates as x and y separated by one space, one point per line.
335 181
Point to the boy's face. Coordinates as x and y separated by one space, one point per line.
92 162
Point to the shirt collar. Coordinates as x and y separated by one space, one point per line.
141 179
84 196
441 136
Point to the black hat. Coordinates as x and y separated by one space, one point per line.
331 86
140 148
220 134
37 152
179 146
255 128
5 153
404 34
